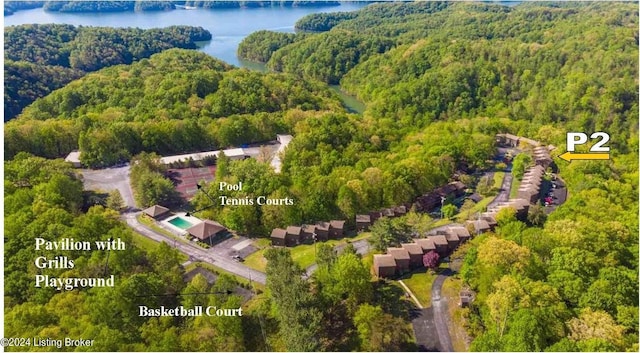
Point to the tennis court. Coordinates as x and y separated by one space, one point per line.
186 179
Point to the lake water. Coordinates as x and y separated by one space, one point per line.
227 26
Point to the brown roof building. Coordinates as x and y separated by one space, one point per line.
207 230
479 226
375 215
336 229
322 230
384 266
441 243
363 222
293 235
426 245
306 236
461 232
402 258
156 211
279 237
415 254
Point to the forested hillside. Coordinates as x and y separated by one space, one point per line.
151 5
439 81
42 58
538 70
176 101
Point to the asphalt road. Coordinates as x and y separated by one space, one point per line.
425 332
197 253
505 189
109 179
440 312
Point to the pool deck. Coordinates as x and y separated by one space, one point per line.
175 229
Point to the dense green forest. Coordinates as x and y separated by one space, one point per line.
44 199
174 102
12 6
439 81
43 58
143 5
538 70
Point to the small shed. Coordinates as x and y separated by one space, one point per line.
279 237
336 229
74 159
322 230
384 265
363 222
402 258
466 297
156 212
415 254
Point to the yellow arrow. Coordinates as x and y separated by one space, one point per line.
568 156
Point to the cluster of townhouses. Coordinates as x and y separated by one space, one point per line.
323 231
409 256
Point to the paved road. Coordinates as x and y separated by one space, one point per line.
425 332
362 248
197 253
505 189
441 313
109 179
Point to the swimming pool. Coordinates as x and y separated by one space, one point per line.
180 223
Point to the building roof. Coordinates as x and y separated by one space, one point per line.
155 211
233 152
337 224
413 248
309 228
279 233
438 239
388 212
206 229
426 244
384 260
363 218
398 253
295 230
322 226
73 157
459 185
400 209
480 225
462 232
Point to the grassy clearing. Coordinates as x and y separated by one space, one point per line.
420 282
146 244
450 290
303 255
498 177
515 184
